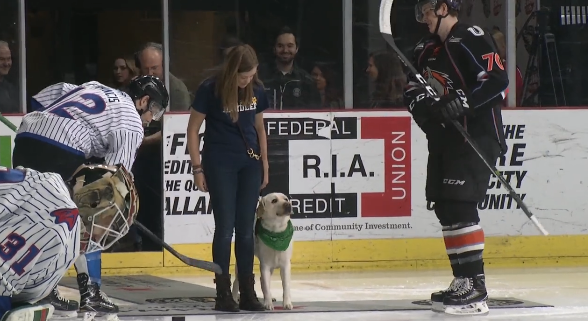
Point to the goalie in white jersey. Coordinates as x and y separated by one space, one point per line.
76 123
43 230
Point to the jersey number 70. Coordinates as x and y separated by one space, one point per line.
493 58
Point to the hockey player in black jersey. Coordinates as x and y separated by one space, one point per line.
461 63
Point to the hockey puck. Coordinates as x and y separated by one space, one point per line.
178 318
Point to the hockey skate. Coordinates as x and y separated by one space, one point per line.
63 307
30 312
469 299
438 297
94 302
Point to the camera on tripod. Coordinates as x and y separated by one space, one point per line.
543 84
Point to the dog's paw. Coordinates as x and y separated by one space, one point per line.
288 305
268 304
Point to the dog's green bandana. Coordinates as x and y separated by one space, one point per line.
277 241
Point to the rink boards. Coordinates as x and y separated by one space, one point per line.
357 182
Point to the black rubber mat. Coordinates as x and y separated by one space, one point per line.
174 306
142 288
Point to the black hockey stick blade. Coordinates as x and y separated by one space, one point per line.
205 265
386 31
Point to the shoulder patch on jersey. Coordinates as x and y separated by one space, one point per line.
69 216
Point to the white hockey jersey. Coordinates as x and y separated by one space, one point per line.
39 233
92 119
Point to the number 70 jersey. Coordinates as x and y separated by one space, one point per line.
39 233
91 119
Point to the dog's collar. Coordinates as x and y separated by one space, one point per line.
276 241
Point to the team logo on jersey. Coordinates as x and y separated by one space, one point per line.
67 216
438 81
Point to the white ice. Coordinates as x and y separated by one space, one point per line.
566 289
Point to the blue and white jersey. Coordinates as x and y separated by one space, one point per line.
39 233
92 119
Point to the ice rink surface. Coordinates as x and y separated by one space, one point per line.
566 289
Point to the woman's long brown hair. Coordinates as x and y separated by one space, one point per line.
240 59
391 79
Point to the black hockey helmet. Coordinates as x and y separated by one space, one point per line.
454 5
154 88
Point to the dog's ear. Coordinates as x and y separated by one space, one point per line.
260 207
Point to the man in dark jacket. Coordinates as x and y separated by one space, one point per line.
288 86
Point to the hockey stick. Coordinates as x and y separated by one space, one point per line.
386 31
205 265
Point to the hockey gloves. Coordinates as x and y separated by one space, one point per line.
453 106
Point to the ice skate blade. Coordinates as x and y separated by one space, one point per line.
438 307
94 316
107 317
477 308
87 316
60 314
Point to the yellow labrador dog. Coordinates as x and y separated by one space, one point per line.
273 246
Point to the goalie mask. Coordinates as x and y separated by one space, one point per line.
107 202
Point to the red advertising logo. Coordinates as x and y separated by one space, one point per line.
395 201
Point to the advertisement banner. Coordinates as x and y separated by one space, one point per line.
348 168
361 175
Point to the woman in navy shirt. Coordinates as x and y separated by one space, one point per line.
234 163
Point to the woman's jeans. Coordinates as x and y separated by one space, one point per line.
233 185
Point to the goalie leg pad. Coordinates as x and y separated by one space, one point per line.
39 312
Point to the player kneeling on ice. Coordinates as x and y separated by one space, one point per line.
273 246
43 230
74 124
461 63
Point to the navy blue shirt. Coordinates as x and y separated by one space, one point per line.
221 135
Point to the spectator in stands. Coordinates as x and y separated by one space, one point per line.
325 79
8 92
233 162
124 70
501 46
288 85
150 62
386 73
149 162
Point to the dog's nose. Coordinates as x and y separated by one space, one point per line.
287 207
